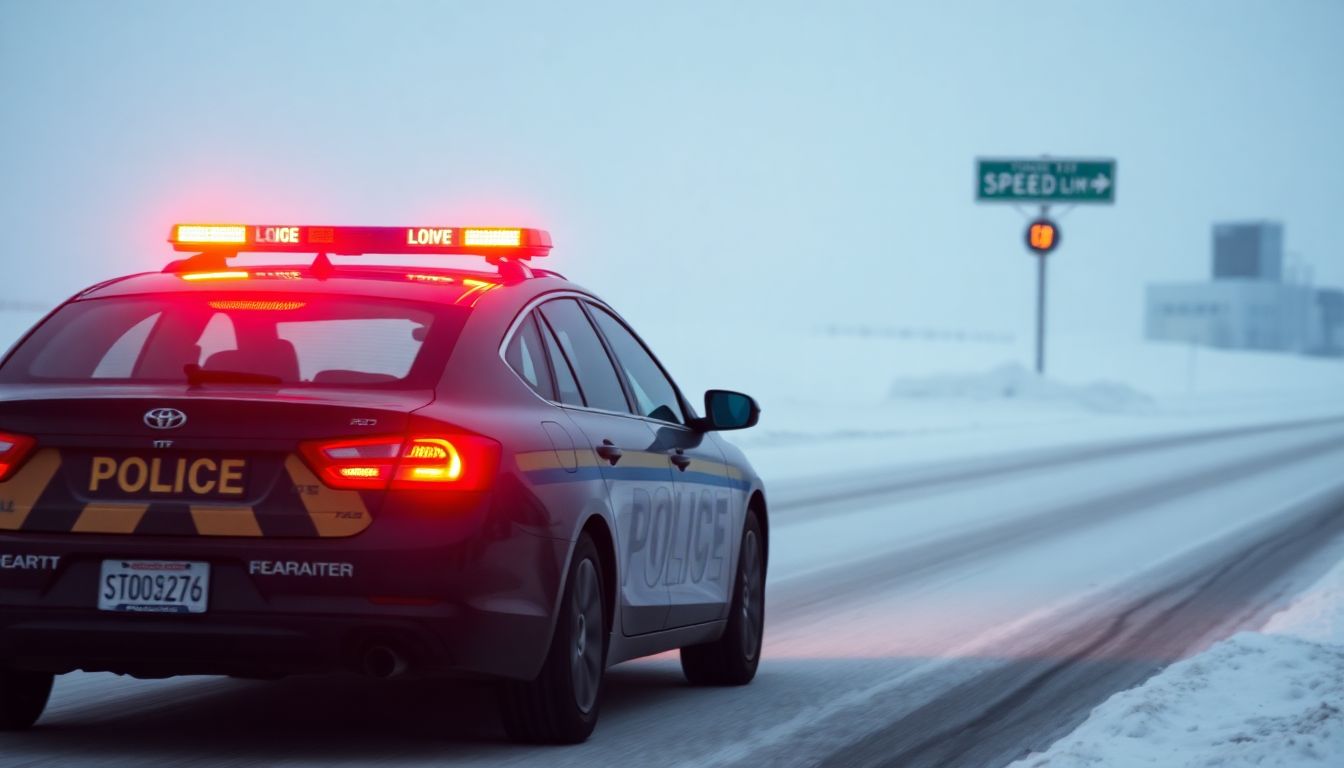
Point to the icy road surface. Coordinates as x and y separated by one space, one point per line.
965 613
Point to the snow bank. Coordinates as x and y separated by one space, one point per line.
1012 381
828 403
1270 698
782 364
1317 614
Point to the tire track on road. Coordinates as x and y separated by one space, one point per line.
1023 706
790 505
859 578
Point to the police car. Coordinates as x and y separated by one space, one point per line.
258 470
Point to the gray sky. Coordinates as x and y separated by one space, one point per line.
791 162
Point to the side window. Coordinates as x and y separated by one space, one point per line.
655 396
592 365
564 375
527 357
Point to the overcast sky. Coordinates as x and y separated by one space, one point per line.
795 163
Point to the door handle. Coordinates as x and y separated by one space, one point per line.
609 451
680 459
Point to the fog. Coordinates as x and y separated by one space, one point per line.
966 558
763 164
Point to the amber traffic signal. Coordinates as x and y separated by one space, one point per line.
1042 236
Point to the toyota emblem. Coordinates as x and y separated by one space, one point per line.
165 418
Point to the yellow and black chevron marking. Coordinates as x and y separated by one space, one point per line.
39 498
20 493
333 513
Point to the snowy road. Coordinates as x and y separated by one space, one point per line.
958 614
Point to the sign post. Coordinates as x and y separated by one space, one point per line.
1045 181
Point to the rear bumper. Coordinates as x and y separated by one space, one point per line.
456 643
479 606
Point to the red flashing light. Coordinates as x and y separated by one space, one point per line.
360 473
257 306
451 462
209 234
431 460
491 242
492 237
363 464
232 274
14 450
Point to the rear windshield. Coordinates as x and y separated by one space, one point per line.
294 340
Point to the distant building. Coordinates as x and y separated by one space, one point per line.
1232 314
1251 250
1329 319
1248 305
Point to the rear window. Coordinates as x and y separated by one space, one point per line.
300 340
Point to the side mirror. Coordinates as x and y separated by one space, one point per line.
729 410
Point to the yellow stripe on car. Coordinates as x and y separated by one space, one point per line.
212 520
109 518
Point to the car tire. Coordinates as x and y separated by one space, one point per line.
560 706
23 697
733 658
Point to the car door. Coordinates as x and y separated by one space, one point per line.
697 568
637 476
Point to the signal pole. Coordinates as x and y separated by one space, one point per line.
1042 238
1040 313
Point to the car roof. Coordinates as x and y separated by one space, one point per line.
409 283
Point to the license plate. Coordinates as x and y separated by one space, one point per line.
154 586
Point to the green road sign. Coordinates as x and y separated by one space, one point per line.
1041 180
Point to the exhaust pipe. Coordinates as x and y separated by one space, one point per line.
383 662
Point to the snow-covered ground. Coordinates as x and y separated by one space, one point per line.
1269 698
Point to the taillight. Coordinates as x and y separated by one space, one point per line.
13 450
451 462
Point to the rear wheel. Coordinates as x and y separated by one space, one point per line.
733 658
23 696
560 706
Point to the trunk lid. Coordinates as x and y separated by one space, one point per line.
215 460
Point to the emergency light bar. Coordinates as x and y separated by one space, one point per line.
494 243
